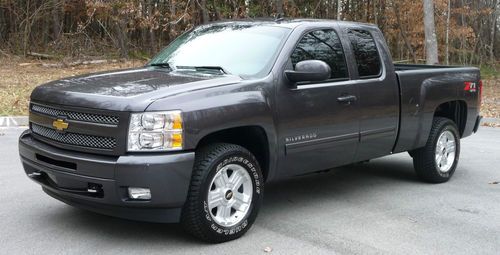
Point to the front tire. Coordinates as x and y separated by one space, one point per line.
437 161
225 194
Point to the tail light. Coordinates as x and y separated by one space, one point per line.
480 98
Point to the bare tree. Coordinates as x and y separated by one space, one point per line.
152 35
447 39
120 30
431 48
279 7
204 12
469 27
493 30
403 32
339 9
56 25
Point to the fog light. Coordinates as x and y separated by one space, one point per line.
139 193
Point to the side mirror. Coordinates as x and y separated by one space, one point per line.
309 70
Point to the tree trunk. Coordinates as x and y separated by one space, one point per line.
403 32
493 31
152 35
120 27
121 34
463 42
204 12
367 11
430 34
381 22
339 9
448 13
279 7
173 13
56 23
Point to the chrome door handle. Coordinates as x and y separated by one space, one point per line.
347 99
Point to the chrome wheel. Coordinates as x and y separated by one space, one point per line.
445 151
230 195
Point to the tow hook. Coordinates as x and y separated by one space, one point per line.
34 174
94 188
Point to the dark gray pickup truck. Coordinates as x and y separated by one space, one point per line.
194 136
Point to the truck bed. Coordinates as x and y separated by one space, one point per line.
422 89
408 67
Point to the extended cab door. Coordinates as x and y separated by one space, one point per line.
318 128
378 92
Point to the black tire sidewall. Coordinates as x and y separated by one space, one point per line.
250 164
447 126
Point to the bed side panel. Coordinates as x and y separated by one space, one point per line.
422 91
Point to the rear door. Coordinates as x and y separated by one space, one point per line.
317 130
378 93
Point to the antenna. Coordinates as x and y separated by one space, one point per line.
279 17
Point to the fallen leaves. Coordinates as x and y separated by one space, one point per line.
268 249
489 124
21 76
490 106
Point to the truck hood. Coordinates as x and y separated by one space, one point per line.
125 90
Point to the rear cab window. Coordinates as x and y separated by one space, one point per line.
322 45
365 53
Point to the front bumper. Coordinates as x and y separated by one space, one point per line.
99 183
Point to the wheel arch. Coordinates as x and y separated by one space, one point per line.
252 137
455 111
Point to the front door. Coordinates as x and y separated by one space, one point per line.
318 122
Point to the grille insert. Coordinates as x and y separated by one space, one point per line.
90 141
80 116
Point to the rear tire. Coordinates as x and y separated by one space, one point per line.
437 161
225 194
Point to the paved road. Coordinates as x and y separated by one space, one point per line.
378 207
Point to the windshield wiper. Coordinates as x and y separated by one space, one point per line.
162 65
220 69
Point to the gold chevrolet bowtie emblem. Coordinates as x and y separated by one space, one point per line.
60 125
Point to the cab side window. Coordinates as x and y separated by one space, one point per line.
322 45
365 53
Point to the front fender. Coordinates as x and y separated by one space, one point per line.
208 111
240 109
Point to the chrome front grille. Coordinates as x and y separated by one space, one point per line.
90 141
79 116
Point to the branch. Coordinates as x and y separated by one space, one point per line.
4 53
182 16
40 55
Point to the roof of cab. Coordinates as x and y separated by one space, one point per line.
290 23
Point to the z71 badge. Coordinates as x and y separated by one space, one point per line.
470 86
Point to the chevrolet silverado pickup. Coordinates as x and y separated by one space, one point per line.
194 135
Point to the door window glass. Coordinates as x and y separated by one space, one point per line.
322 45
365 53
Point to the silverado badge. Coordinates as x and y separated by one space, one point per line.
60 125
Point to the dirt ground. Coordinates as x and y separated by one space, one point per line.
19 76
490 106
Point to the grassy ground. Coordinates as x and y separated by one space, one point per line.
18 77
490 71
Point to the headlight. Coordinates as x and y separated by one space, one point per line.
155 131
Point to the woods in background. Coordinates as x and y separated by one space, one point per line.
466 30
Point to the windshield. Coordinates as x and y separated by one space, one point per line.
244 50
